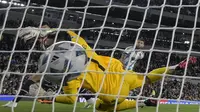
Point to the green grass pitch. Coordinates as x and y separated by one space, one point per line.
26 106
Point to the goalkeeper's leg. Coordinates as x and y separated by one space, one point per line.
126 104
153 77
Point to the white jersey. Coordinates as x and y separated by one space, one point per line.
135 56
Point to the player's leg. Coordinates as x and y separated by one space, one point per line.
101 106
153 77
24 90
132 104
66 99
126 104
106 102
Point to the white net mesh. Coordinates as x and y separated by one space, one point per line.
169 29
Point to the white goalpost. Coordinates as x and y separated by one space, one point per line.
11 12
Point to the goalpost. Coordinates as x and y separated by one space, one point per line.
111 3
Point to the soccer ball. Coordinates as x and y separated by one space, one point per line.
61 58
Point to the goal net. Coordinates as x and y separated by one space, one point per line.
169 29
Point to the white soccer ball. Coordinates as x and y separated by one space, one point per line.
63 58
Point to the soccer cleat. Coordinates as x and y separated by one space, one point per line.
10 104
39 100
151 102
46 102
191 60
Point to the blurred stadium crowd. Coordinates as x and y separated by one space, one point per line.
171 86
185 10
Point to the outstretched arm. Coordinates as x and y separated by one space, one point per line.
90 53
83 43
33 33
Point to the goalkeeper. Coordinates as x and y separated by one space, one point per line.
112 75
112 82
45 39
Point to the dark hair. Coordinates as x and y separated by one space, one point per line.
45 23
141 39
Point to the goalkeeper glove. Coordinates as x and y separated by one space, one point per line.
32 32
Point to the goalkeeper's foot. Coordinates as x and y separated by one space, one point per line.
182 64
10 104
151 102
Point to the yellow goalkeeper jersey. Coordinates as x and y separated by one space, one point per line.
104 74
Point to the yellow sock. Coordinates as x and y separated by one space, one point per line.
152 75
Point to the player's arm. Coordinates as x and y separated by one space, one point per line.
70 90
75 38
83 43
90 53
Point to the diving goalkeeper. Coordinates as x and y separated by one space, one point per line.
112 71
45 39
113 74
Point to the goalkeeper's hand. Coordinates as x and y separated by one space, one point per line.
32 32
